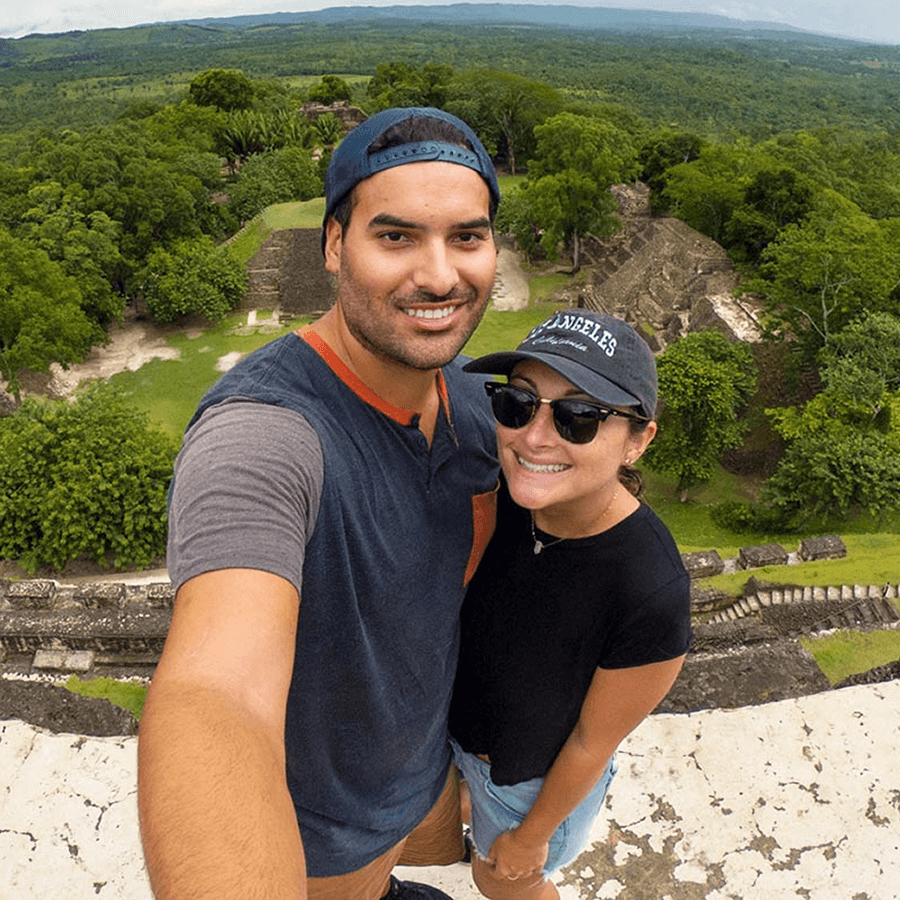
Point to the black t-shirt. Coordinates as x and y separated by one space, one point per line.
536 627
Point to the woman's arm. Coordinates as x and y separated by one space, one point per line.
617 701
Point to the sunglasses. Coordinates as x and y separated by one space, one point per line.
576 421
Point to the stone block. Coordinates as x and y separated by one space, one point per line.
828 547
762 555
101 595
32 594
161 596
703 564
64 660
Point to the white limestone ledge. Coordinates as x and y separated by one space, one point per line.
798 798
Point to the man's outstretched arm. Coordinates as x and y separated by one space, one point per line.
216 817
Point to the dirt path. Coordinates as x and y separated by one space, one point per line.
131 344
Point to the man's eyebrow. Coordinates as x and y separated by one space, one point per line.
386 219
394 221
474 224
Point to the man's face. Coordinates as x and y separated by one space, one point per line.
416 263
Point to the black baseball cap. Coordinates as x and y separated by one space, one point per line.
599 353
351 161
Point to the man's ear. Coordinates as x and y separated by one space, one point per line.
334 235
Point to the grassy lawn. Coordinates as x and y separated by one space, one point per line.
249 239
129 695
169 389
846 653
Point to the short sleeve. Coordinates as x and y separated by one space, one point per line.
246 492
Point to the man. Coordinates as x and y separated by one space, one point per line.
333 496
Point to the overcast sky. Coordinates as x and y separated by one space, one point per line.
870 20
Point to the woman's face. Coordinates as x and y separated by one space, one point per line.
568 483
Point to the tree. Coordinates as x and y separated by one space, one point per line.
704 382
773 199
85 244
566 194
400 84
154 191
503 108
833 470
41 315
193 277
820 274
663 150
706 192
328 129
226 89
331 89
862 362
844 445
277 177
249 132
83 478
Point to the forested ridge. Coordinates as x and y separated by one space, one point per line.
671 69
128 158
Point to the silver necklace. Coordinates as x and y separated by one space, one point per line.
540 545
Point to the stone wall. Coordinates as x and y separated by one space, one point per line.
288 274
46 625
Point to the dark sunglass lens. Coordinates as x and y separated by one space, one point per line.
512 408
577 422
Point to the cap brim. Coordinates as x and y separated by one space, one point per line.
601 389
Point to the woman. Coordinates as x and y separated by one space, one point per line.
578 620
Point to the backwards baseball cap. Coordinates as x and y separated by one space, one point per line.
351 161
600 354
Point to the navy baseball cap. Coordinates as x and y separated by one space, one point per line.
351 161
600 354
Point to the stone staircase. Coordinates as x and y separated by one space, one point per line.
820 608
264 272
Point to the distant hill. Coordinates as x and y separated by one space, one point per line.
705 73
562 16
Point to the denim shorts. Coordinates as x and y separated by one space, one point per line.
497 808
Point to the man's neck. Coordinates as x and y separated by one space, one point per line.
400 385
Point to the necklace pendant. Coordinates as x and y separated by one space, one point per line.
538 546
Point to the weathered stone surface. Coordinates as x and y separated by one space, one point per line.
103 595
762 555
64 660
161 596
789 799
703 564
61 711
828 547
31 594
134 629
287 272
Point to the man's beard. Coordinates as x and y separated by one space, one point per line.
423 353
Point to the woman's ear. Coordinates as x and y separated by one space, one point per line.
639 442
